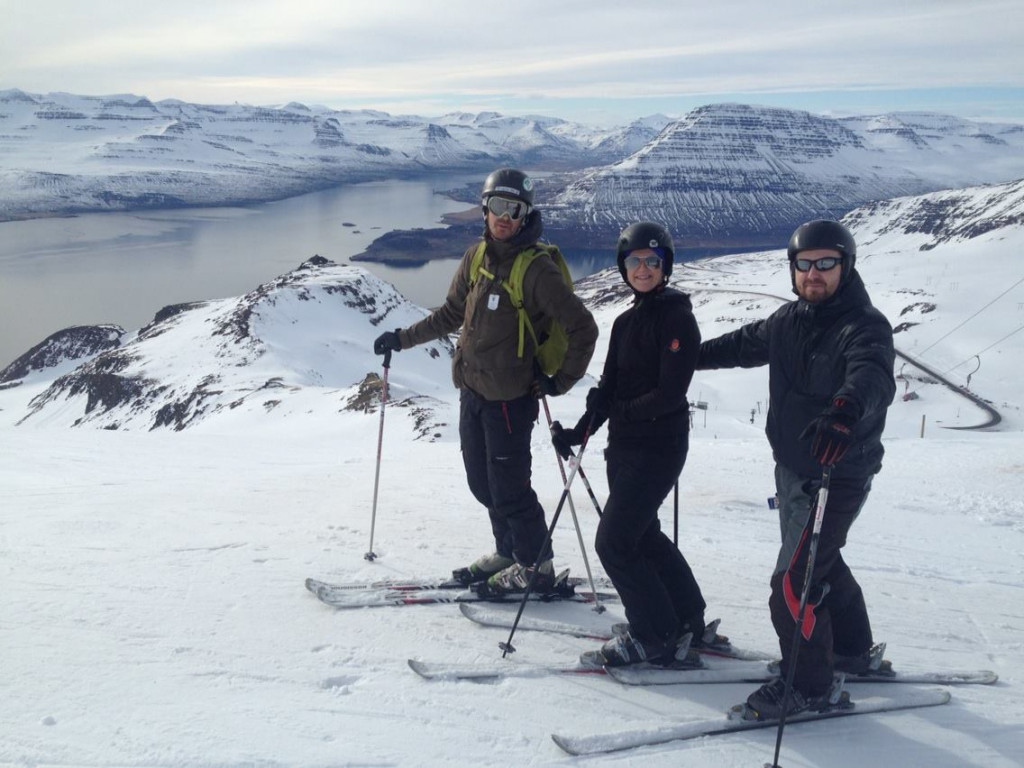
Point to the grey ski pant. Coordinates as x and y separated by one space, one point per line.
836 618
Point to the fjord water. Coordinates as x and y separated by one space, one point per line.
123 267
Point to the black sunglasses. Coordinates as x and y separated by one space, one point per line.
502 206
822 265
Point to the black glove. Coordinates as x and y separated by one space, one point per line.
564 439
387 341
832 431
544 385
599 404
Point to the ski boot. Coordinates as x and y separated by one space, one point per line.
481 569
766 702
623 649
514 580
869 662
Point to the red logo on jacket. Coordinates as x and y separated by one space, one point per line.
673 345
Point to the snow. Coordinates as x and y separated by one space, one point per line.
153 610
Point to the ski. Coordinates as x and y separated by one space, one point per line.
394 585
497 670
759 673
711 671
420 585
503 668
387 596
489 616
613 742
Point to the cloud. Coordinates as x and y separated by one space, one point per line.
387 51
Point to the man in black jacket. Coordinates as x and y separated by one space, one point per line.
830 370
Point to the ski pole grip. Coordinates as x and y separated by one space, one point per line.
387 358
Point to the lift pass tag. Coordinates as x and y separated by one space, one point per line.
492 301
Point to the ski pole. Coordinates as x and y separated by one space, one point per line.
380 443
819 515
675 516
507 646
572 509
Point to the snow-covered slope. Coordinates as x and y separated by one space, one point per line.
298 345
153 609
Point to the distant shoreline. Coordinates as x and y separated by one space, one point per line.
416 247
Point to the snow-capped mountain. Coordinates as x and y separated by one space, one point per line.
727 172
301 344
723 174
62 152
297 344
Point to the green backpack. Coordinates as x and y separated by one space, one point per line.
551 351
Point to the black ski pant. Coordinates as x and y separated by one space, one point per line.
659 593
495 438
836 618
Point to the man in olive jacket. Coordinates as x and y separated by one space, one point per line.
499 388
830 369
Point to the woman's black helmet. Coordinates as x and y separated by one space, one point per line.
824 233
646 234
507 182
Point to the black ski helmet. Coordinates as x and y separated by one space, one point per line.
645 234
824 233
507 182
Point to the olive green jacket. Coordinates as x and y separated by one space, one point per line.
486 354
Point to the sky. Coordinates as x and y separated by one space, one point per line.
599 63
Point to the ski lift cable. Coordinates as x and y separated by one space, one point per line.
986 349
965 322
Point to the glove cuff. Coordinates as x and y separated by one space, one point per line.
846 409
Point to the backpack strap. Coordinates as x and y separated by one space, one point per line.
513 287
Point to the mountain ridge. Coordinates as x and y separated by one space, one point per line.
723 174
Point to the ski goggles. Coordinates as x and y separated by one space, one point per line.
503 206
651 261
822 265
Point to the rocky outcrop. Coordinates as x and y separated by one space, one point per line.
69 345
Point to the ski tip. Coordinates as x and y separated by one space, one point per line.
419 668
564 743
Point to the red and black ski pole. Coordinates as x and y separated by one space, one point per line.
819 515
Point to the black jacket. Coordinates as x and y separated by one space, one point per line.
841 347
651 357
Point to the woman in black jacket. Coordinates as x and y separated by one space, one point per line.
642 394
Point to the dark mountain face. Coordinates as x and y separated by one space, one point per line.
79 342
731 174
